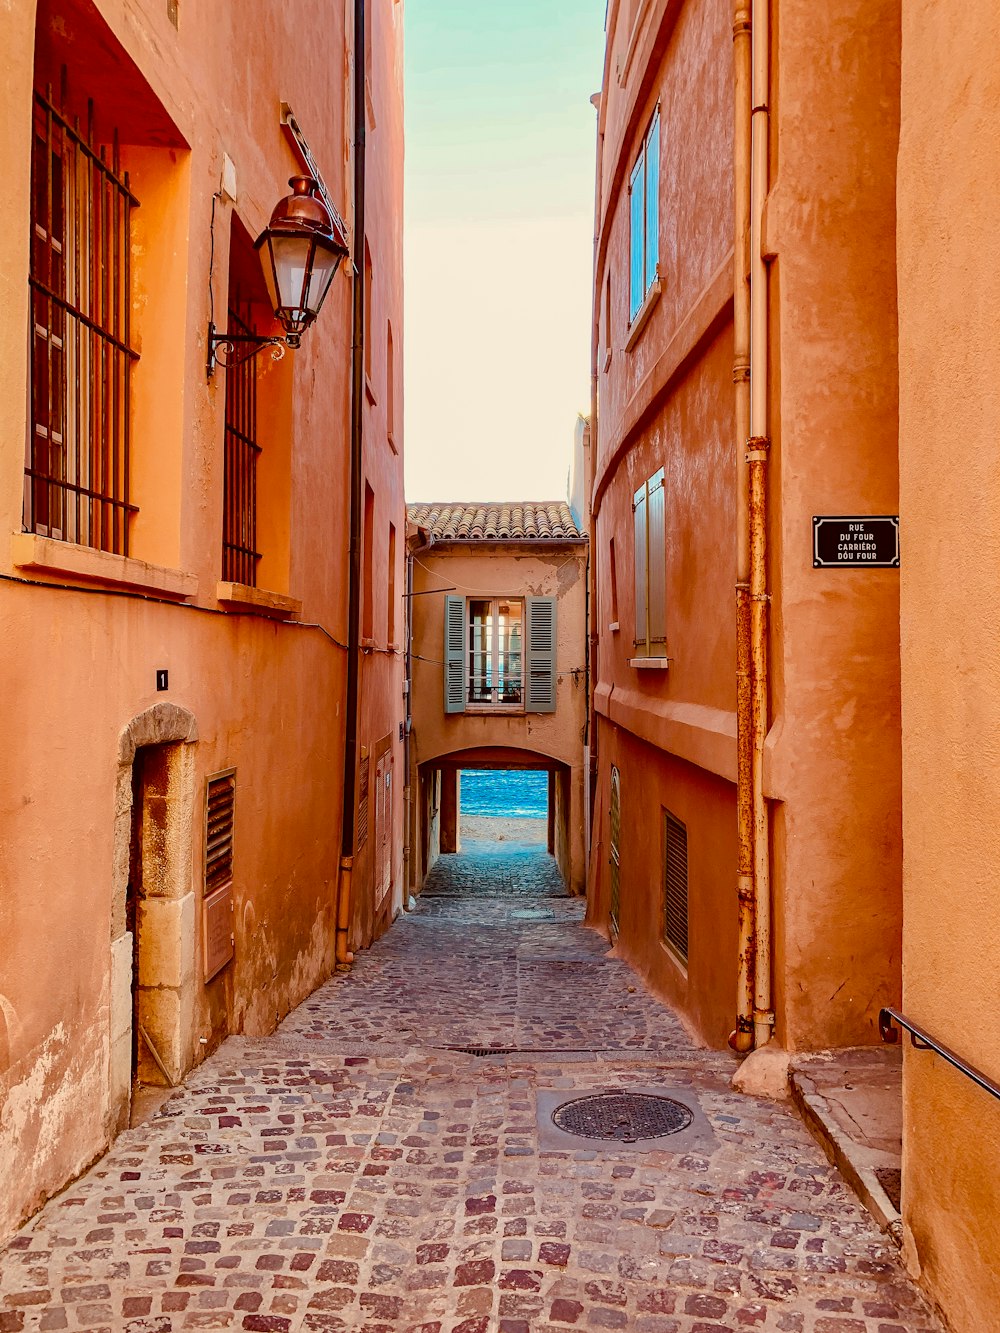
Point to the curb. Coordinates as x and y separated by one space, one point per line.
844 1154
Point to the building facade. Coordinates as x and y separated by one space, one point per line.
497 666
175 581
747 701
949 322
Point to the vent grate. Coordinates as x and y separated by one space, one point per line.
220 819
675 884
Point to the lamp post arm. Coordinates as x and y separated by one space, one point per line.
232 349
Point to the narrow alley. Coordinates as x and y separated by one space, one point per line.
368 1167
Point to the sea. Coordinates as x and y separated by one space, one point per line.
505 793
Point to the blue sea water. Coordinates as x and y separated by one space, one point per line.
513 793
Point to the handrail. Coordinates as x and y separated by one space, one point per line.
923 1041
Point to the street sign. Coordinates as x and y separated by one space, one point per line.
856 541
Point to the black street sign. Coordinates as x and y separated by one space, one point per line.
856 541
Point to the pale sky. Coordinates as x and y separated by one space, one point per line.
500 147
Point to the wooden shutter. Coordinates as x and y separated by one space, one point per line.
637 222
541 691
675 883
652 202
220 818
656 574
641 569
454 654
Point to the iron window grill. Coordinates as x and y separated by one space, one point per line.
77 452
220 823
675 884
239 519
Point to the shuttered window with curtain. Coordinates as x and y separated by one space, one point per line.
485 665
675 884
644 218
649 514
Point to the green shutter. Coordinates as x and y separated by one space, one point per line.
541 691
454 654
656 573
641 554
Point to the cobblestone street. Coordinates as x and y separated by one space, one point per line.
356 1172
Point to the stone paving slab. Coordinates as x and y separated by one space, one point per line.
295 1184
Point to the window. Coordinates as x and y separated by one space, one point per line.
239 489
613 571
607 322
390 636
77 458
369 289
390 385
500 653
496 651
368 572
644 218
675 884
650 568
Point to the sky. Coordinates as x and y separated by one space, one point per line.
499 223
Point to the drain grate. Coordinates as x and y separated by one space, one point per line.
622 1117
483 1050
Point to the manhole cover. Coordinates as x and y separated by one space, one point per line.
622 1117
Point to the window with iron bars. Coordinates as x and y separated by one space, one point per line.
239 518
77 451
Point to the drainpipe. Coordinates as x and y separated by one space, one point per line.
757 452
755 1012
742 1038
343 954
407 790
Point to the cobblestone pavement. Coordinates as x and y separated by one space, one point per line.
353 1173
488 868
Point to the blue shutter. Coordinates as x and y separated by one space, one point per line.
641 586
637 218
454 654
541 691
652 202
657 572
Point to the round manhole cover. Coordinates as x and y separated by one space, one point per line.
622 1117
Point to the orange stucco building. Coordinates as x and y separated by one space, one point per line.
174 575
683 553
497 677
949 323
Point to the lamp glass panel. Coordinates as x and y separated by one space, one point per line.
325 265
292 255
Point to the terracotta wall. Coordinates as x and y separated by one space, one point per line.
247 690
503 740
665 399
949 282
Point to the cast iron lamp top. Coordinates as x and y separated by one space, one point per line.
300 250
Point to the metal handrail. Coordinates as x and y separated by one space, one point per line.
923 1041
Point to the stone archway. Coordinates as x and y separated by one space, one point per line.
153 968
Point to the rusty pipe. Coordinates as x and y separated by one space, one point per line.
742 1038
757 454
344 957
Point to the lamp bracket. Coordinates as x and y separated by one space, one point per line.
232 349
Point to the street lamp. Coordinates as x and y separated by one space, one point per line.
300 250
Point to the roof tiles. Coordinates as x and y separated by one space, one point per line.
522 520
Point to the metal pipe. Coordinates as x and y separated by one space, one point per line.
922 1040
742 1038
757 452
359 316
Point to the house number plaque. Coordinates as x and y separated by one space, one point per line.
856 542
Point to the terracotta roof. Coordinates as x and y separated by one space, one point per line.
520 520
